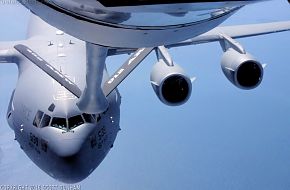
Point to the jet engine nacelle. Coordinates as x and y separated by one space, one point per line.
243 70
170 83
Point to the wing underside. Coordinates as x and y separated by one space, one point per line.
220 34
238 31
225 35
217 35
7 52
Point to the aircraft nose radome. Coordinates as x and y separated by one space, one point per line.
70 143
71 163
68 147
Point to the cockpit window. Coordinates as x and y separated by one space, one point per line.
37 119
59 123
67 123
97 117
88 118
45 121
75 121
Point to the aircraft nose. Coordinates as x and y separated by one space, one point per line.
68 147
71 161
70 143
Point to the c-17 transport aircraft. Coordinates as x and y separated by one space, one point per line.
65 109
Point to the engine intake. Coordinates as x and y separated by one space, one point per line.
170 83
243 70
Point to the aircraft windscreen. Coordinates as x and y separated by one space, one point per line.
75 121
59 123
37 118
67 124
88 118
45 120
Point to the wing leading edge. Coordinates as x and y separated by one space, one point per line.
7 52
238 31
217 35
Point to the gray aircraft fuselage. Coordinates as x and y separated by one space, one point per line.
61 140
49 125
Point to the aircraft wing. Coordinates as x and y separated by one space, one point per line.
7 52
237 31
225 35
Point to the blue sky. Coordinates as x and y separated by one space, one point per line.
223 138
